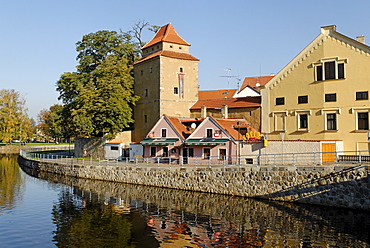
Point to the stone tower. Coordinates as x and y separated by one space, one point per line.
166 80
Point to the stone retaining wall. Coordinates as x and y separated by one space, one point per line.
340 186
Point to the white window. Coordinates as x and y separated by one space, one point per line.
331 121
329 69
303 120
362 120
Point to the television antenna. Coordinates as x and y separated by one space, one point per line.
228 76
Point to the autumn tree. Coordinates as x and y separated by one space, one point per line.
14 122
50 122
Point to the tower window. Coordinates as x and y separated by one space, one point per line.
176 90
141 72
145 119
181 70
146 93
151 69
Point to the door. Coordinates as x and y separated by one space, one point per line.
185 155
328 155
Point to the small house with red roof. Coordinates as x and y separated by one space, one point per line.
198 139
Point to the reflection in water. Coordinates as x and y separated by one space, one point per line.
105 214
10 182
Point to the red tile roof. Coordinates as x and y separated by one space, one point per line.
252 81
215 94
245 102
169 54
166 33
176 123
230 126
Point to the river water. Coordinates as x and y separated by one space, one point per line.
45 210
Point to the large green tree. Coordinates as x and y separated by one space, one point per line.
98 97
14 122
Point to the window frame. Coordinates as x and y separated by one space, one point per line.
335 121
366 125
329 95
222 156
278 99
362 95
165 153
211 132
153 151
322 69
203 153
304 127
163 132
114 148
303 99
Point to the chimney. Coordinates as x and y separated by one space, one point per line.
361 39
224 111
203 112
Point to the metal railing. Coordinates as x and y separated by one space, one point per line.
287 159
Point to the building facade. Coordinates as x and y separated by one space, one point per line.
322 94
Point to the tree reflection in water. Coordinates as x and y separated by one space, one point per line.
10 182
106 214
91 222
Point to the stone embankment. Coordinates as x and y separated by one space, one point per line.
339 186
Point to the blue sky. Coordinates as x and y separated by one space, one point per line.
252 38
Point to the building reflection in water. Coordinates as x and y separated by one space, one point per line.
102 213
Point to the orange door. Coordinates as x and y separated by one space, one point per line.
328 155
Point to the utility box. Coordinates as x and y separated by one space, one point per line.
136 151
114 150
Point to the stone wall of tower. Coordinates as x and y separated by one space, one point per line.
147 87
176 100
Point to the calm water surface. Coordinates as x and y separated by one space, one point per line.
45 210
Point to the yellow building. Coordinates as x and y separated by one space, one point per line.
322 94
166 80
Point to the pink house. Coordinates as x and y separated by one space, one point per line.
191 139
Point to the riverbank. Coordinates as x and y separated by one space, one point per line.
339 186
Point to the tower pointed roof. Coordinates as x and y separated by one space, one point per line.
166 33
